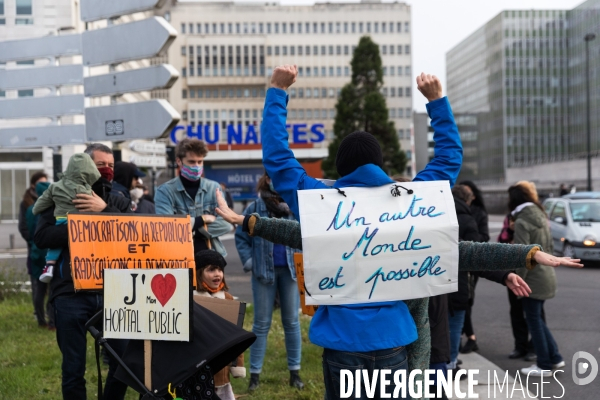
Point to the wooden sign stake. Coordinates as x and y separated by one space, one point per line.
148 364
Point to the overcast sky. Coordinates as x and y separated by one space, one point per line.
439 25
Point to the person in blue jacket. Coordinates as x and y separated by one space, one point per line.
359 336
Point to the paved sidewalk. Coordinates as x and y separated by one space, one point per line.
487 387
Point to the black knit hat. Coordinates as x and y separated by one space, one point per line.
357 149
204 258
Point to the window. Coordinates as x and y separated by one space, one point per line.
323 92
399 27
322 27
309 114
191 28
354 27
368 27
292 114
269 49
391 49
300 48
385 92
268 27
299 27
332 113
346 50
192 114
338 27
400 133
200 95
330 50
276 27
23 7
400 92
399 71
308 70
407 49
315 27
214 31
407 70
376 26
183 50
360 27
406 27
330 71
323 113
393 90
308 50
300 71
261 27
408 94
293 93
392 113
284 50
408 113
331 27
323 71
283 27
246 93
300 114
331 92
383 25
338 50
392 71
338 71
323 50
346 71
383 49
401 113
316 50
307 27
184 115
276 50
184 94
308 93
300 93
384 71
25 93
292 50
192 95
182 28
399 49
316 93
183 72
391 27
206 29
345 27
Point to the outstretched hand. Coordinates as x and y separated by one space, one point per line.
548 259
518 286
227 213
430 86
284 76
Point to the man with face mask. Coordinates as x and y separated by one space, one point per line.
190 194
73 309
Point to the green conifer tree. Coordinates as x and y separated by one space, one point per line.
362 107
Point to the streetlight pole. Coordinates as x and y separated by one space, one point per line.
588 38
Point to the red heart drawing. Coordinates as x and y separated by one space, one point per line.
163 287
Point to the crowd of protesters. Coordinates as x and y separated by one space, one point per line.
413 334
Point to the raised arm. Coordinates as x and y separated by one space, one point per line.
285 171
447 153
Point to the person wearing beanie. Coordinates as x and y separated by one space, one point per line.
210 278
388 325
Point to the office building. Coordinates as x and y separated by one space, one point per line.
226 52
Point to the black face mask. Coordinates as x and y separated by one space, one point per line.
102 187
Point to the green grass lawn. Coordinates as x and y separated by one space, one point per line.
30 360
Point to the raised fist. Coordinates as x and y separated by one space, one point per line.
284 76
430 86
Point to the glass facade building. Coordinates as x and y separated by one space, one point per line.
522 75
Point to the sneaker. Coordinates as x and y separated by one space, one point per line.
534 370
470 346
559 365
530 356
47 273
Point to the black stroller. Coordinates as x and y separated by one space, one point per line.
186 367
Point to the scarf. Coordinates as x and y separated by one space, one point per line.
276 206
211 290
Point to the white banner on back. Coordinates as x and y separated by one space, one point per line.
379 244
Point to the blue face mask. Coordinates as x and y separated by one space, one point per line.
192 172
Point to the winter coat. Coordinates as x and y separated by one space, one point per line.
481 216
79 177
37 256
387 324
145 207
531 227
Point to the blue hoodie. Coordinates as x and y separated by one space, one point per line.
357 327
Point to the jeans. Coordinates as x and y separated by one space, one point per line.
545 347
519 325
334 361
441 369
456 322
71 313
264 299
40 290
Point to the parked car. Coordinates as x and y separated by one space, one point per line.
575 225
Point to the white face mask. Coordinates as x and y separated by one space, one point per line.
136 194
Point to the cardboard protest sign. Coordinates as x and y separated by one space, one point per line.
299 265
152 304
126 241
379 244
